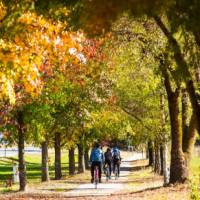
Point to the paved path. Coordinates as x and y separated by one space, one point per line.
13 151
110 187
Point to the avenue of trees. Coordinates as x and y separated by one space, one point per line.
76 72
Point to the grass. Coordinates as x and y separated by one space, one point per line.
194 178
33 166
195 166
138 179
145 177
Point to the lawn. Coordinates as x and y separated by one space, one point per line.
33 166
140 178
195 166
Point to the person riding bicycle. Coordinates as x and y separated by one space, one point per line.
116 159
96 159
108 159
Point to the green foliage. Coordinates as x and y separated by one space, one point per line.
194 185
109 125
133 69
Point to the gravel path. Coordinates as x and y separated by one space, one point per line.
110 187
132 179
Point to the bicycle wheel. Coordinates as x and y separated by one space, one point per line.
96 176
116 172
107 173
95 184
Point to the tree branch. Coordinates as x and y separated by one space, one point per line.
136 117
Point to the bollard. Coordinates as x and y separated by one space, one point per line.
15 173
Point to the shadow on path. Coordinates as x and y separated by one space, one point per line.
133 168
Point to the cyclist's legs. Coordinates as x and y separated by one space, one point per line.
105 164
99 166
92 170
114 165
118 167
109 165
93 166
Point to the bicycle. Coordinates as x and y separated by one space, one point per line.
116 172
96 176
107 172
117 168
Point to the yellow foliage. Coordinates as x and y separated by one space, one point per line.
6 88
42 47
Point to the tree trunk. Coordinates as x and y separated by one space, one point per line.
182 65
165 163
21 141
86 157
81 162
161 160
189 140
178 170
58 172
153 155
45 167
71 161
194 102
157 166
164 147
150 153
189 128
185 117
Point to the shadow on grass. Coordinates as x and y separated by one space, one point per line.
10 190
33 170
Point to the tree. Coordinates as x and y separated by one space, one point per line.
29 62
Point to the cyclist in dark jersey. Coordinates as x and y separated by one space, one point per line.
108 160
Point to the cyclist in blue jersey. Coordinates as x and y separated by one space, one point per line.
116 159
96 159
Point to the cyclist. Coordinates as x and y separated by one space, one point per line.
116 159
97 159
108 160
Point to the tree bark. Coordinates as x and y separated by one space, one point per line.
86 157
185 117
189 128
21 141
71 161
81 162
189 140
178 170
164 146
45 167
165 163
183 67
58 170
157 166
150 153
161 160
194 102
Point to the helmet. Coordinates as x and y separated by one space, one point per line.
108 149
97 145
